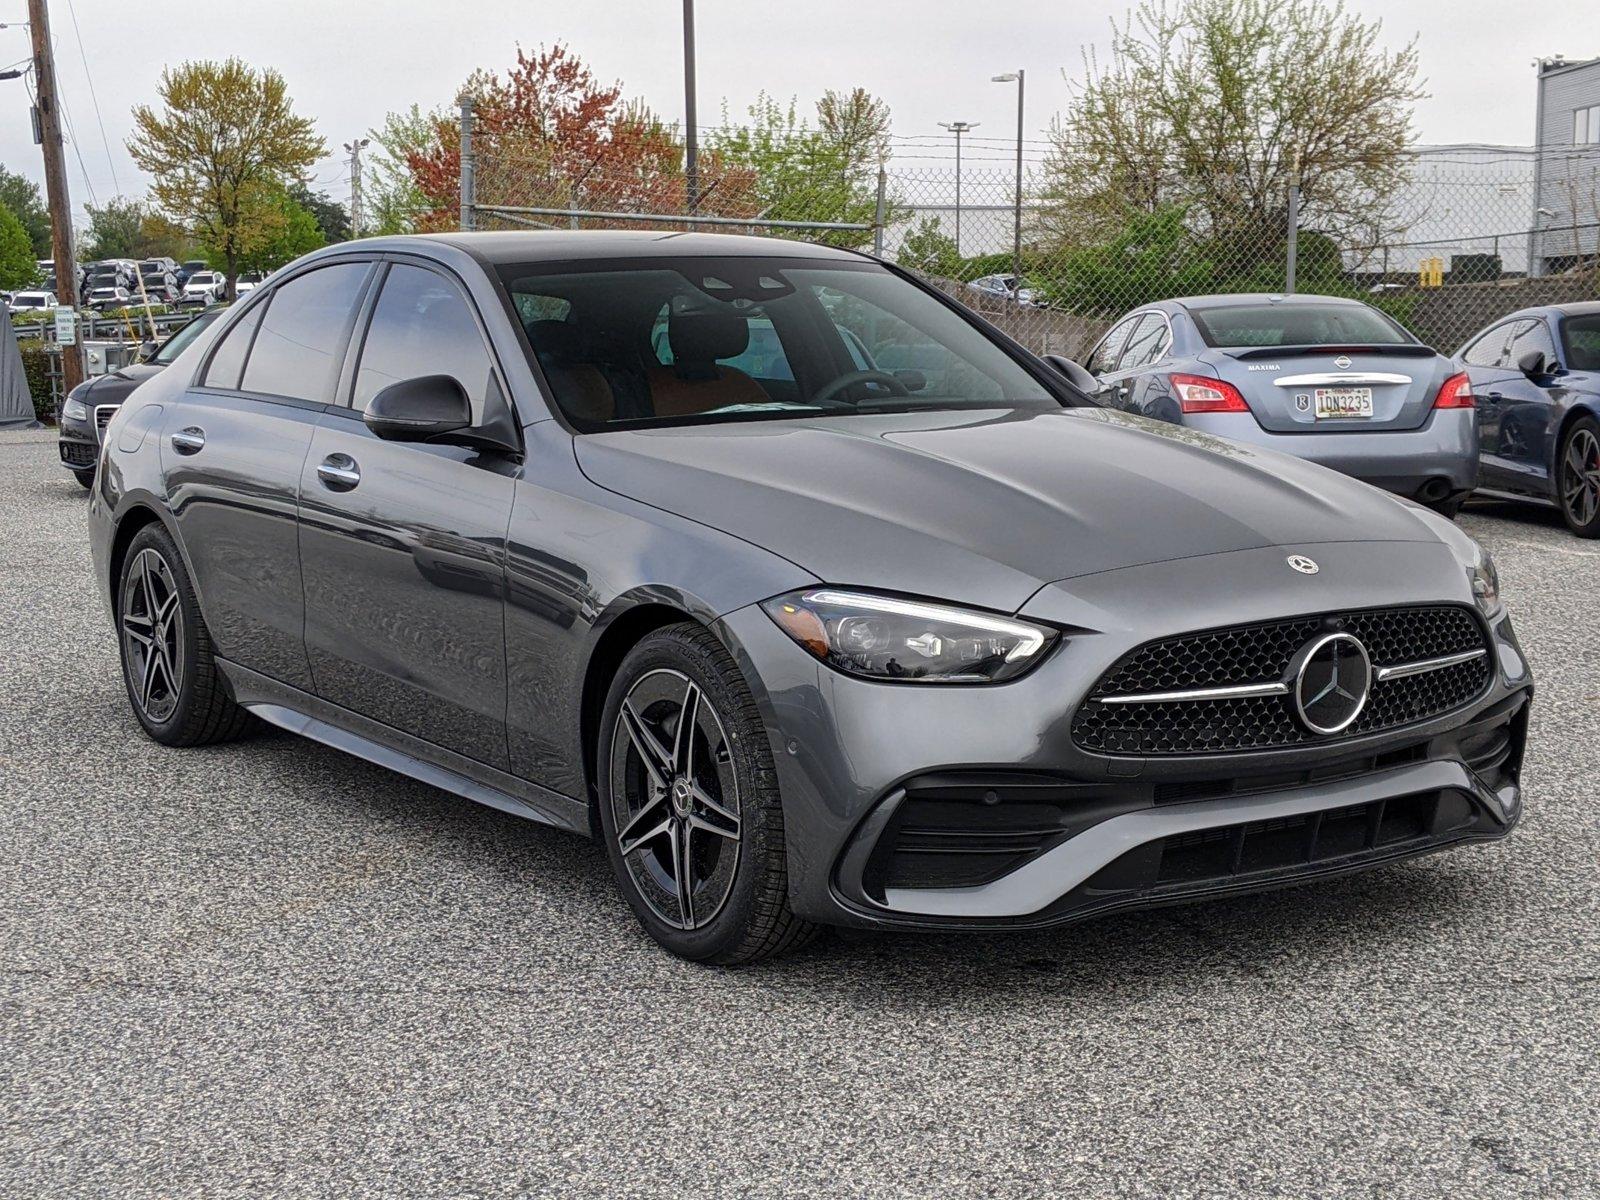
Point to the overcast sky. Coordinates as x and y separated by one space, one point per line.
348 62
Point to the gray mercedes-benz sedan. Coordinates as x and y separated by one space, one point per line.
814 598
1328 379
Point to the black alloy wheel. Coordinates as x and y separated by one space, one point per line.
1578 478
689 805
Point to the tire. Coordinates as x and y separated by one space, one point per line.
179 699
732 905
85 477
1577 477
1448 508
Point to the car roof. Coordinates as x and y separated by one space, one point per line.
1274 298
559 245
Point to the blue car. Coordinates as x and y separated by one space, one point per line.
1323 378
1535 379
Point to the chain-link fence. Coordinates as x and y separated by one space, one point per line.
1464 235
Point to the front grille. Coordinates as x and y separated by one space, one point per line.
77 454
1254 654
102 418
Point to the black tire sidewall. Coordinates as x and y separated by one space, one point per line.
154 537
85 479
1592 529
675 649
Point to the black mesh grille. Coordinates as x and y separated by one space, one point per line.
1260 654
77 454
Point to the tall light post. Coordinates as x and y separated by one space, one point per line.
354 149
691 134
1018 77
958 128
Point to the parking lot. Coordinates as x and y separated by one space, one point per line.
270 969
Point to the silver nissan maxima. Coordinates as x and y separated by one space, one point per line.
811 596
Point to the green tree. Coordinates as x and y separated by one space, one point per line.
220 150
392 200
18 268
331 216
115 229
288 230
21 195
1208 104
927 248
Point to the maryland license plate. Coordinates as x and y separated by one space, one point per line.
1343 402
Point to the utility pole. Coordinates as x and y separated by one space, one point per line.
55 184
958 128
1019 77
354 149
1293 250
469 166
691 131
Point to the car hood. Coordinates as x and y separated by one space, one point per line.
986 507
114 386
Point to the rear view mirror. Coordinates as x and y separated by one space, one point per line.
1076 375
417 410
1532 362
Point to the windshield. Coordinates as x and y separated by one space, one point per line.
174 345
662 341
1582 336
1297 325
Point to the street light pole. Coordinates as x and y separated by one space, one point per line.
958 128
55 184
691 133
1020 78
354 149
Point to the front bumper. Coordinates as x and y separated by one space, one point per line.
1404 461
972 806
78 444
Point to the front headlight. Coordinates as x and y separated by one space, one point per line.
907 641
75 410
1485 581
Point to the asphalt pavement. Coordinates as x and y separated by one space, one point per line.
268 969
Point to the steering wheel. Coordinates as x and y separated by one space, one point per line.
828 390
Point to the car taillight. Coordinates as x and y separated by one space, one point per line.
1456 392
1200 394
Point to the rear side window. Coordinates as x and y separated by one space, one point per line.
422 325
1297 324
1582 336
228 361
297 349
1109 350
1534 336
1146 344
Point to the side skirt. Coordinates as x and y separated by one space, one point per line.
310 716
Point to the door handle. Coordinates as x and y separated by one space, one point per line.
189 440
339 472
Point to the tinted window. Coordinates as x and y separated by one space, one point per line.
1582 336
1109 350
1490 349
1532 336
422 325
763 356
229 358
1296 324
1145 345
296 352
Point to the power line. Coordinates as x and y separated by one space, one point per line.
94 99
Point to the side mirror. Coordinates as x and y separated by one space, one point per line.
147 350
1076 375
1532 362
912 380
416 410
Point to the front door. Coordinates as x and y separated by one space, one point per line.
1514 409
402 544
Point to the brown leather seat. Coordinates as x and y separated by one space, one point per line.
580 387
694 383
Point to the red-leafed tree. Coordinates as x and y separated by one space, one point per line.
549 135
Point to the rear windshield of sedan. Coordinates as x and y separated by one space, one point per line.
1233 325
1582 335
678 341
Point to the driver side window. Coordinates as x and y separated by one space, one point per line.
423 325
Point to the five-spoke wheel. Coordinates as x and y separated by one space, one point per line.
152 635
1578 478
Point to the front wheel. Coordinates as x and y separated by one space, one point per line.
689 803
1578 478
167 664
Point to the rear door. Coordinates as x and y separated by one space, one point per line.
1315 366
232 450
403 544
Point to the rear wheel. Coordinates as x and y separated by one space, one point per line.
1578 478
1447 508
689 803
85 477
167 663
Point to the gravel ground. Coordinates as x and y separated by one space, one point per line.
269 969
